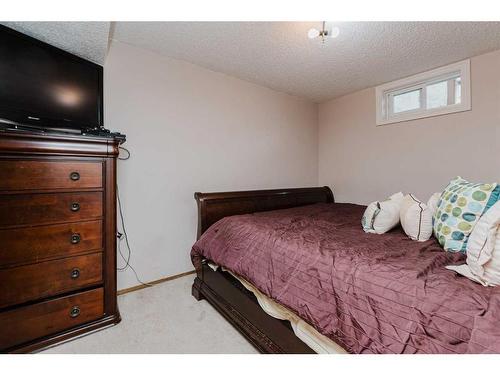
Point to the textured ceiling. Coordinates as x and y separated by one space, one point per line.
85 39
279 55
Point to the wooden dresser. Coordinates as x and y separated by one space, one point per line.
57 238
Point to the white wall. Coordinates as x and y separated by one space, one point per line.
190 129
364 162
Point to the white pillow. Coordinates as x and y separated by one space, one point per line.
432 203
380 217
483 250
416 218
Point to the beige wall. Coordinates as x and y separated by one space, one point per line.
364 162
190 129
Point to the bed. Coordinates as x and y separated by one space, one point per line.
367 293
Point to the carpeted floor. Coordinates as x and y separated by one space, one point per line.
162 319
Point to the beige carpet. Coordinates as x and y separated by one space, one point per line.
162 319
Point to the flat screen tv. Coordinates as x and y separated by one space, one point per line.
47 87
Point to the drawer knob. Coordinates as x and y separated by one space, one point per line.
75 206
75 238
75 273
74 312
75 176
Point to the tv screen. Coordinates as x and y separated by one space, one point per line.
46 86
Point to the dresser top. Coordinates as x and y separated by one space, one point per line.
23 142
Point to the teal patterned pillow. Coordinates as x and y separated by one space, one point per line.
459 208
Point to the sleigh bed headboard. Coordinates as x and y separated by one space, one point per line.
214 206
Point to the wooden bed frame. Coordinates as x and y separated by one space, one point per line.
226 294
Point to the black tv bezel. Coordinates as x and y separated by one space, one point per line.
21 117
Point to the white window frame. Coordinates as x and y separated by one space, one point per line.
385 92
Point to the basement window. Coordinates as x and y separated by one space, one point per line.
436 92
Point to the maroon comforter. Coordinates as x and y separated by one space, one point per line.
370 293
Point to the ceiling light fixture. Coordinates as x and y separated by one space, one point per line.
327 31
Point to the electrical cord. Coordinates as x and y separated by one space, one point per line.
127 151
123 236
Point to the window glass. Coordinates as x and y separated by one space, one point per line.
458 90
407 101
435 92
437 95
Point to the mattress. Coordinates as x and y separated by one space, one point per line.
369 293
304 331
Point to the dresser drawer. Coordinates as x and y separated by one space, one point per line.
39 174
28 323
34 244
36 281
26 209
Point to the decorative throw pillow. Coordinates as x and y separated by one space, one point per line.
432 203
483 250
416 218
459 208
380 217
